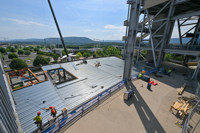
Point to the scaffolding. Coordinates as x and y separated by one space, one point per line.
149 26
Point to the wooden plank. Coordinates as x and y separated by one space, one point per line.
8 80
34 75
180 90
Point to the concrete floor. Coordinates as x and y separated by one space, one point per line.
147 111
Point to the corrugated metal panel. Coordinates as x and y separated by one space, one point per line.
50 67
29 100
7 114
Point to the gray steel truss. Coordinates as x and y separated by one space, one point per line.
131 36
154 31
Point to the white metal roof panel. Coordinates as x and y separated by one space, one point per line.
30 99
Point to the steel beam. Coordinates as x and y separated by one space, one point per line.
179 32
151 39
132 35
158 29
196 32
161 10
167 33
186 15
143 23
61 37
196 71
128 17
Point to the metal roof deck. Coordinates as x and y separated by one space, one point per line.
30 99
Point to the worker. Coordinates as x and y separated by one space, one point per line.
149 86
143 71
38 120
140 76
169 72
53 111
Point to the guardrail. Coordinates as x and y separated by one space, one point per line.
83 109
186 128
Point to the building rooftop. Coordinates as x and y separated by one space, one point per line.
90 81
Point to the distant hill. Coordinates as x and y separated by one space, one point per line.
70 40
176 40
118 41
78 41
172 41
49 41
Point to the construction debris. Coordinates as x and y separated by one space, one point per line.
180 90
179 124
97 64
182 106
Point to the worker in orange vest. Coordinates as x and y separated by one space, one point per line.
38 120
53 111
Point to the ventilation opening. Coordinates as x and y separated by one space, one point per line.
60 75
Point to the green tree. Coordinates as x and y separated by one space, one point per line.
63 53
18 64
12 56
12 49
26 48
55 57
36 49
2 50
2 56
27 52
94 55
79 55
99 53
86 54
40 60
20 52
8 49
16 47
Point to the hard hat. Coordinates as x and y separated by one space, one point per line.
50 107
39 113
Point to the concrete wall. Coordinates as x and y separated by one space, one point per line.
150 3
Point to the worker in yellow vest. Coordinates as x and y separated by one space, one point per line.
140 76
169 72
38 120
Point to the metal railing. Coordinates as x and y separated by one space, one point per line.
174 47
186 125
81 110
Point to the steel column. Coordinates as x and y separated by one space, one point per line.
132 35
167 33
138 54
196 32
179 32
151 39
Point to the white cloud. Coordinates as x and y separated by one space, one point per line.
87 30
113 27
23 22
114 32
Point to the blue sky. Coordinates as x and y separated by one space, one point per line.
96 19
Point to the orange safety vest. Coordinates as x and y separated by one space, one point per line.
53 111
